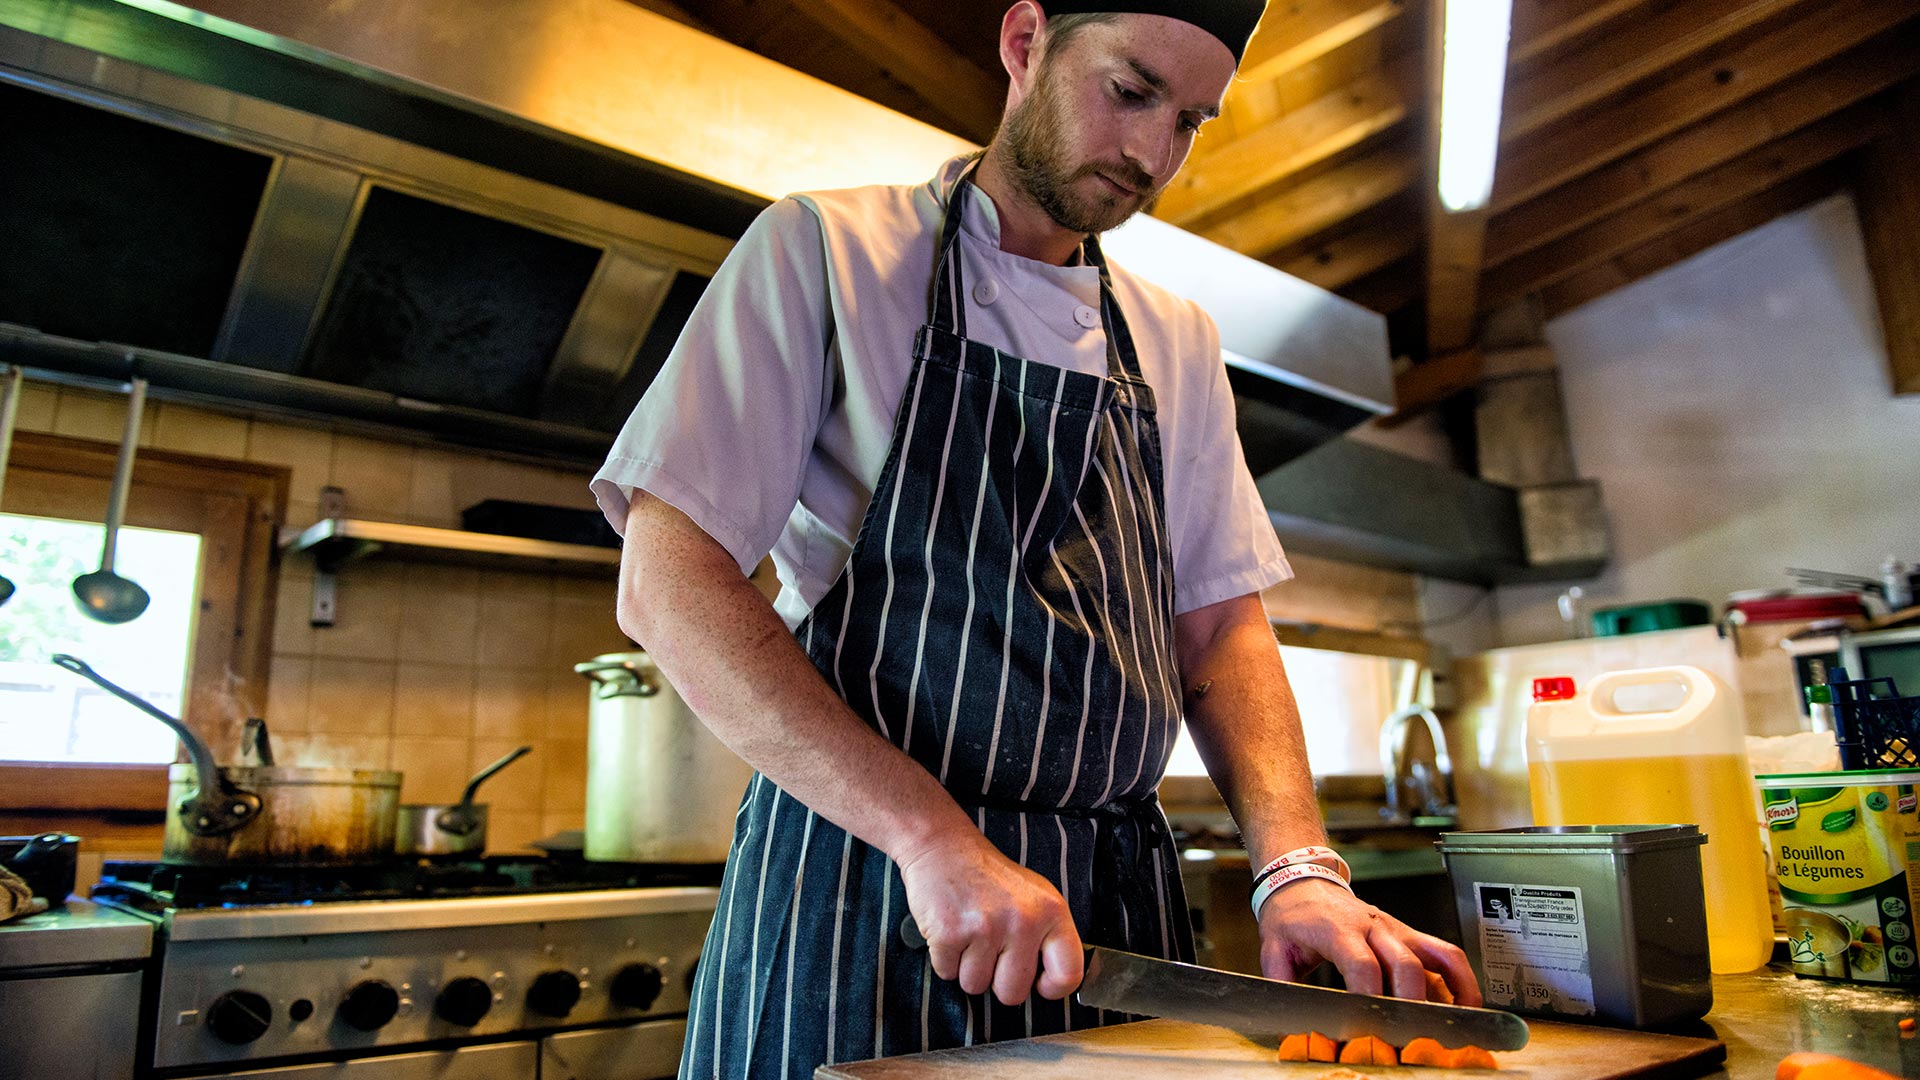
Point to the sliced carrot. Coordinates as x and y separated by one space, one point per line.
1438 990
1294 1048
1906 1024
1368 1050
1321 1048
1809 1066
1473 1057
1425 1051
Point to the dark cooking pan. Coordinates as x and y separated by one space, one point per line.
447 830
265 813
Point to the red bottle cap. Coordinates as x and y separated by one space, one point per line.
1558 688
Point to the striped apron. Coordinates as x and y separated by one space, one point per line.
1006 619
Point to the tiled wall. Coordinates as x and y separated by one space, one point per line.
431 670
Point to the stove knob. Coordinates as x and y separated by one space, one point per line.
554 994
369 1005
463 1001
637 986
239 1017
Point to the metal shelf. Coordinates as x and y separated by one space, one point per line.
335 543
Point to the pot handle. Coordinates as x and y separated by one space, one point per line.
223 810
617 678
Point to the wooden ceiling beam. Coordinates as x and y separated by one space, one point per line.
1692 238
1295 34
1541 27
1455 239
1351 256
1852 77
1386 290
1638 49
1757 171
1887 191
1533 166
1301 211
916 56
1307 136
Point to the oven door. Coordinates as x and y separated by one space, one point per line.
646 1051
499 1061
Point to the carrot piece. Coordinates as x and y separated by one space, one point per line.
1425 1051
1810 1066
1473 1057
1294 1048
1368 1050
1321 1048
1906 1024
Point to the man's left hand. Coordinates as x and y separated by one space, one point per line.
1309 921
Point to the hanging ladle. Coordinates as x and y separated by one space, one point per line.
103 594
9 412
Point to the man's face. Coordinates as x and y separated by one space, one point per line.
1110 116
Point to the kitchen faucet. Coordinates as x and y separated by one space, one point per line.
1415 789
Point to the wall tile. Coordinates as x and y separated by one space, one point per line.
432 767
289 690
566 774
509 703
523 482
569 702
512 830
307 451
602 590
439 613
352 697
309 750
431 497
519 786
87 414
582 632
433 699
516 585
367 615
561 821
377 476
38 402
513 632
200 431
293 609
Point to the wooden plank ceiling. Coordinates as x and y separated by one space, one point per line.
1635 133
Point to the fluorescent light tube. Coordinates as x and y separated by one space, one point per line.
1473 77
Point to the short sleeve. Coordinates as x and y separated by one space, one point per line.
725 430
1223 541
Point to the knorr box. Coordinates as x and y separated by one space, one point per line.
1841 844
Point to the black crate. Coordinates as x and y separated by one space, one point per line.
1876 727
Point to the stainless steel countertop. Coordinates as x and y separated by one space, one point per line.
82 932
1770 1013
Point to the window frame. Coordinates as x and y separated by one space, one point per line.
237 509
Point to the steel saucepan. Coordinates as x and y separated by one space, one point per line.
438 830
265 813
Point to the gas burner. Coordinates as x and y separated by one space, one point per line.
156 887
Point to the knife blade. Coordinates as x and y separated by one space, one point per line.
1265 1008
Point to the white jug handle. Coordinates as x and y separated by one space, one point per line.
1601 692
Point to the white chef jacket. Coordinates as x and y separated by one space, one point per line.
770 422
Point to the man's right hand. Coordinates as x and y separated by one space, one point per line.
990 922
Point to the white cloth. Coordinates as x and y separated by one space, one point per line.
770 422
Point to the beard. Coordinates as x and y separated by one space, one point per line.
1034 138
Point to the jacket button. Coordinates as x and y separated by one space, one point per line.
986 292
1086 316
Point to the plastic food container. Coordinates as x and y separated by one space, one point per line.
1842 842
1596 923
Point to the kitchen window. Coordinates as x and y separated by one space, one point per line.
46 714
199 537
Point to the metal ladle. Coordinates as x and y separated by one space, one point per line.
9 412
103 594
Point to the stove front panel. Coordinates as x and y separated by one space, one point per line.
348 994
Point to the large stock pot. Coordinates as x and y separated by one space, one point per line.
660 787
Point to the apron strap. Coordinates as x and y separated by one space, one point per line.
947 301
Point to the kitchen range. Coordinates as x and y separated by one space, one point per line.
508 966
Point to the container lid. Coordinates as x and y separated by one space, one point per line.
1838 778
1556 688
1615 839
1821 694
1795 608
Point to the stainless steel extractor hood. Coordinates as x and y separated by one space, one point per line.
489 229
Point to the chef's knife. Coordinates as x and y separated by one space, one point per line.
1265 1008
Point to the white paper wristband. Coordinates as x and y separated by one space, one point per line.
1287 875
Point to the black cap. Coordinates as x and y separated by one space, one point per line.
1232 21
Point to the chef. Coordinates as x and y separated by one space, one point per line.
1017 546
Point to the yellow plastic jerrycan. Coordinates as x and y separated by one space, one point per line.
1660 746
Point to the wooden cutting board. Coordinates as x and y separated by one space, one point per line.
1172 1050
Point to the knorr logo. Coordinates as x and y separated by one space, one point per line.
1783 813
1908 802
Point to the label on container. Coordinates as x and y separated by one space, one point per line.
1533 947
1844 853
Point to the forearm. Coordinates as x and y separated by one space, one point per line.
737 666
1247 727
